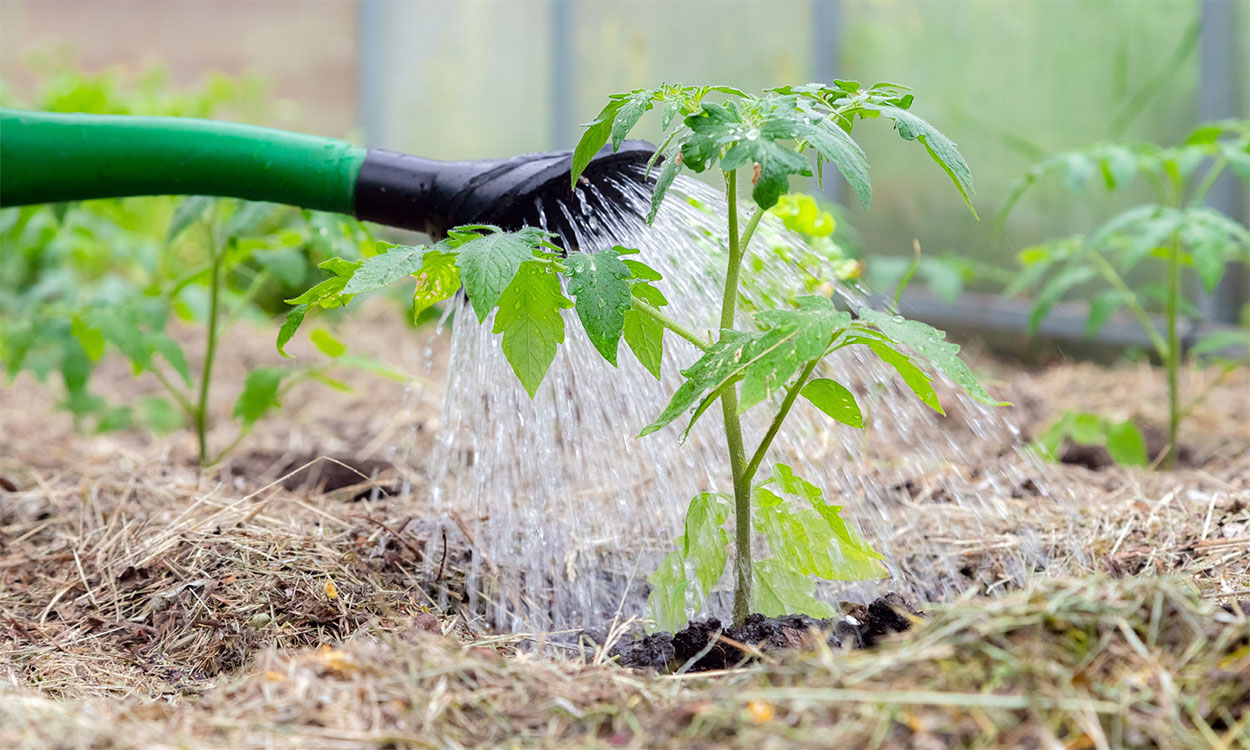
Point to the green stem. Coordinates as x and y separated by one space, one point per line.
1173 360
733 426
791 396
210 350
1208 180
1207 390
670 324
750 230
1133 303
179 397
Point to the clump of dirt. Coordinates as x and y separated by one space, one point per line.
706 645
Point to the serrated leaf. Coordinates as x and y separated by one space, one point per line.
1126 445
597 133
529 319
834 399
643 334
598 283
834 144
488 265
940 148
663 181
89 337
700 558
326 343
394 264
776 590
630 111
438 279
765 360
327 295
1234 338
260 394
919 381
1101 308
294 317
931 344
1054 289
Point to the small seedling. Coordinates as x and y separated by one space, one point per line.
1177 230
520 280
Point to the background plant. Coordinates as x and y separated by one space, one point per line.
1144 255
81 280
518 282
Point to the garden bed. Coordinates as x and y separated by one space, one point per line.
144 605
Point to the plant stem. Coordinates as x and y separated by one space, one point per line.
210 350
1173 360
791 395
179 397
670 324
1134 305
733 426
1200 192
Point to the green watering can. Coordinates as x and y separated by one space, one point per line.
48 158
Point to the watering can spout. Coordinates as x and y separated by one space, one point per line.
433 196
50 157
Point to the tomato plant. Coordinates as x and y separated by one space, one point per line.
1176 233
521 282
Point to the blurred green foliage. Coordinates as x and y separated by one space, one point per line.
79 281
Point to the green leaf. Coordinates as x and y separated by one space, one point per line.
1087 429
188 211
529 319
834 144
765 360
834 399
294 317
160 415
940 148
1126 445
326 343
1101 307
919 381
601 293
777 590
260 394
705 544
1217 341
326 295
488 265
91 339
394 264
1054 289
668 172
597 133
631 110
700 558
802 335
644 334
931 344
437 280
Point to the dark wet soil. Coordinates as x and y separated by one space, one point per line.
707 644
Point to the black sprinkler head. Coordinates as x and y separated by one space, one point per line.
433 196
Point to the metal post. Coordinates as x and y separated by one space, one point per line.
371 70
561 74
1218 99
826 65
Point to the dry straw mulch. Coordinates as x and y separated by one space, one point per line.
145 605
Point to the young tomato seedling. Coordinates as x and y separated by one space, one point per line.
518 276
1177 230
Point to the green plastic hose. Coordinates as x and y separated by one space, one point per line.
47 157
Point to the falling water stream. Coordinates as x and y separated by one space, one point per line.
568 513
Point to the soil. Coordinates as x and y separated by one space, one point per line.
285 601
706 645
